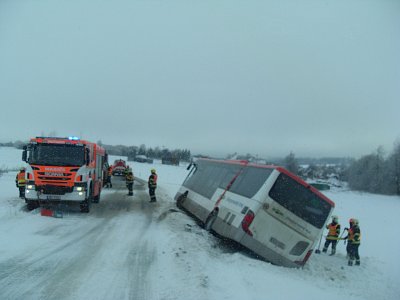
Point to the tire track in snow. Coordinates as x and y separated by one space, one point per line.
54 274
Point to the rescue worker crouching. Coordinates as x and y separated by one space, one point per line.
20 182
152 184
129 182
333 235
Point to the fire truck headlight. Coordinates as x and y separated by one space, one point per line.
80 194
30 187
79 189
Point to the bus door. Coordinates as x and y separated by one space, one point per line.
226 177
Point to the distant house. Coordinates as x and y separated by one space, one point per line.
170 160
140 158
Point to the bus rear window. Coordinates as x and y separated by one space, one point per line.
300 200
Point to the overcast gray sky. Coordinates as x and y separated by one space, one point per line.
316 77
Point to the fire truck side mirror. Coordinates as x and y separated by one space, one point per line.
87 156
24 154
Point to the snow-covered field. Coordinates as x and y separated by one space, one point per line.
156 252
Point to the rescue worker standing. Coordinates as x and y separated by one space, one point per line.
20 182
349 236
126 171
354 244
109 175
333 235
129 182
152 183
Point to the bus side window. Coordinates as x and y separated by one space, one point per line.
250 182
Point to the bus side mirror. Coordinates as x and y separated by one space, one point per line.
24 154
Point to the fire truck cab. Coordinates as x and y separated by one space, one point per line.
63 170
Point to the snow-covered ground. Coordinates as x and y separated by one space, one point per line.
140 251
10 158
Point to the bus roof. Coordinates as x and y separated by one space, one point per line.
246 163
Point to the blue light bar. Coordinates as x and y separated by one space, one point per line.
73 138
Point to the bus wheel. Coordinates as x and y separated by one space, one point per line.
210 220
180 200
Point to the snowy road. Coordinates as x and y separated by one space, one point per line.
107 253
128 248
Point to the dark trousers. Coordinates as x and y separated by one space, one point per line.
152 193
130 188
353 251
109 184
21 191
327 243
348 249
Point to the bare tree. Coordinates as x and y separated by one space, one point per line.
291 164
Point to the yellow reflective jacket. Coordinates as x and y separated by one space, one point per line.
21 179
355 236
129 178
334 231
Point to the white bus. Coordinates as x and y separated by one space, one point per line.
267 209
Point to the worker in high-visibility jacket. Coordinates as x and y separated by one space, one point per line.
350 235
129 182
109 176
20 182
126 171
354 243
333 235
152 184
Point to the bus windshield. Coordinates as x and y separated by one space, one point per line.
300 200
57 155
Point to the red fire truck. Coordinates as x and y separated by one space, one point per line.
63 170
119 167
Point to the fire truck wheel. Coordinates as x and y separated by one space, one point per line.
31 205
84 206
96 199
210 220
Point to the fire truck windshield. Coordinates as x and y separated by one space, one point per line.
56 155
